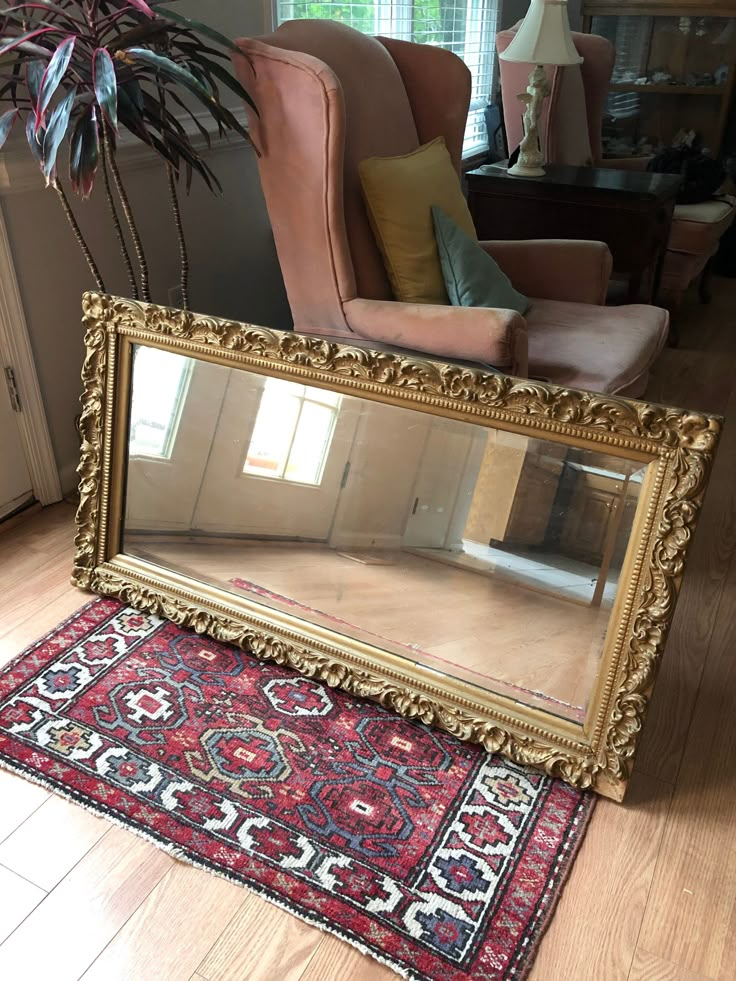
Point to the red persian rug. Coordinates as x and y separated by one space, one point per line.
425 852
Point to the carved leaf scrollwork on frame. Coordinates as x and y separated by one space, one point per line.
91 428
685 440
683 499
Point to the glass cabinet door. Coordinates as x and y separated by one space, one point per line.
672 77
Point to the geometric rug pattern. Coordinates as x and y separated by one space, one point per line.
423 851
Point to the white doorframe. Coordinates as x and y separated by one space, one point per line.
15 351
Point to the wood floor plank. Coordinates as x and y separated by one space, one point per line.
51 842
647 967
172 931
28 620
20 799
100 893
261 943
335 960
18 898
670 713
691 915
594 931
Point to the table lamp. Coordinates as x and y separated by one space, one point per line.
544 38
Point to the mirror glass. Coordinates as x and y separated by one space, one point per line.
481 554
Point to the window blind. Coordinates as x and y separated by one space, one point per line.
466 27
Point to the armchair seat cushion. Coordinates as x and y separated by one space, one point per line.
697 228
601 349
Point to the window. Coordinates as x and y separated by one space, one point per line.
466 27
160 384
292 433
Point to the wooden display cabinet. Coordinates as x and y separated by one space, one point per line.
674 71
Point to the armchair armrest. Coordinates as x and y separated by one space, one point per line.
556 269
485 334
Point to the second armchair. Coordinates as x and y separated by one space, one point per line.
330 97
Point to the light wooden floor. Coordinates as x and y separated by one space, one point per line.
652 896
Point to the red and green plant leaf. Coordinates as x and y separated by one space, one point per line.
106 86
6 124
142 6
122 60
55 71
35 140
220 72
23 39
84 152
34 76
55 133
49 8
198 28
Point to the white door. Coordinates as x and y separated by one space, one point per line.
278 461
444 485
15 480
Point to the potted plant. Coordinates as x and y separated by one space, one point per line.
77 73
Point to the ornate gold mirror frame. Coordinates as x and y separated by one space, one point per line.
596 753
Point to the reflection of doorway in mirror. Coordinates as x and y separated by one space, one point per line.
550 518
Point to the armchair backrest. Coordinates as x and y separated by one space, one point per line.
328 97
576 104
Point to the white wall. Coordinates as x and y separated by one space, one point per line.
235 272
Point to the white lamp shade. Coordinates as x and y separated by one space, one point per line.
544 37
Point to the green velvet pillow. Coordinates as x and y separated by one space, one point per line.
472 277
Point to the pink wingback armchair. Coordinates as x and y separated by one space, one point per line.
329 97
572 124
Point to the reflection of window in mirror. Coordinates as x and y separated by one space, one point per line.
292 433
160 384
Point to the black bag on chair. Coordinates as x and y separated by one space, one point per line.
702 175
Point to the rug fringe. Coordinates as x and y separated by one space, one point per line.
184 857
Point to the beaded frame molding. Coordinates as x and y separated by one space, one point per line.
677 445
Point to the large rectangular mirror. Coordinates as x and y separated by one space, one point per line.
496 557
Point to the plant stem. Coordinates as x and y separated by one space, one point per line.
116 221
173 194
183 253
79 237
127 211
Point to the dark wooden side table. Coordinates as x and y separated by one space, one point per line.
631 211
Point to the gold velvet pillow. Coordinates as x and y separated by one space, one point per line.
399 194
